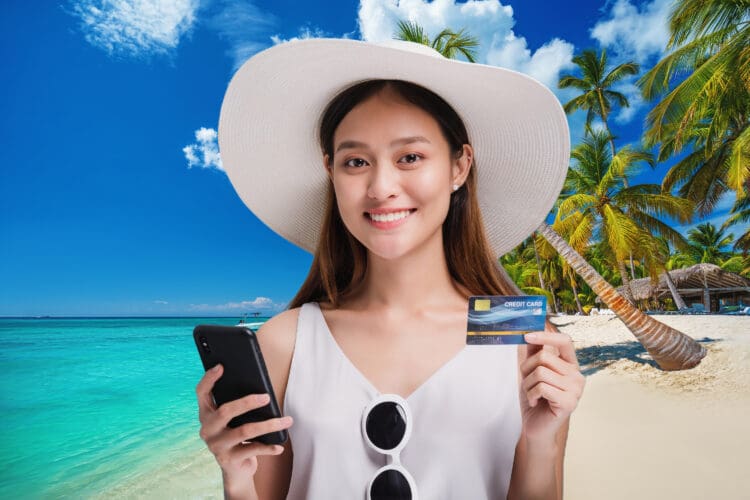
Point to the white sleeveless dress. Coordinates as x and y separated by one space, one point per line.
467 422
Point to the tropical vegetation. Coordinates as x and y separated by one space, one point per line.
608 229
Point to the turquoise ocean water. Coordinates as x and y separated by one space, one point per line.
90 403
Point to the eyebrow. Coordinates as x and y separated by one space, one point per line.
398 142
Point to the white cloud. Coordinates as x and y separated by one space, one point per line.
161 302
304 33
135 27
245 27
488 20
635 33
261 304
635 99
205 152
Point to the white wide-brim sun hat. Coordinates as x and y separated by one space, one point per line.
270 117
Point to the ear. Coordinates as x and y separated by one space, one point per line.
327 165
462 165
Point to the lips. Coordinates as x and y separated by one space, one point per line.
389 218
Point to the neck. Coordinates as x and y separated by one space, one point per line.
416 281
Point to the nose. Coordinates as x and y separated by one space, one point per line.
383 182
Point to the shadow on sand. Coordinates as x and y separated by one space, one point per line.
594 358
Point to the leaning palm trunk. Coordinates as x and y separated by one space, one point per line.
538 264
678 302
671 349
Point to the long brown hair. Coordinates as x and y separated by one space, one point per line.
340 261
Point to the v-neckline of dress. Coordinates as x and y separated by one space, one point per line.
358 373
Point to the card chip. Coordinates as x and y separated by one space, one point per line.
482 304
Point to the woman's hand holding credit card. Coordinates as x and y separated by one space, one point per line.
551 383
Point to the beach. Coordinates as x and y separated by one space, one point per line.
638 432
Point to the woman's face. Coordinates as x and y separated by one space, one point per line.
393 174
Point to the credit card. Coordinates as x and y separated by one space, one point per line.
504 319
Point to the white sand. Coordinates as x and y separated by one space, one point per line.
642 433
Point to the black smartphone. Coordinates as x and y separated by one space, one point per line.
237 349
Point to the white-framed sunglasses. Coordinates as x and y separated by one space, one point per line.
386 426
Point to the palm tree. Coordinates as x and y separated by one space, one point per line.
709 244
597 200
709 109
595 85
551 268
739 264
449 43
671 349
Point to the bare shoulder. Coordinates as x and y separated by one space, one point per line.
277 335
276 338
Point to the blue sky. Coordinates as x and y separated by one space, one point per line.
112 199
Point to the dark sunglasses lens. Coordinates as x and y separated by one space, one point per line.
386 425
390 485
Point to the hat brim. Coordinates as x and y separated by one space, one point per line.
271 112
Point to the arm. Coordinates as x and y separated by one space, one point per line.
252 471
538 470
550 386
276 338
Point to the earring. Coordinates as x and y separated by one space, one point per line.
455 187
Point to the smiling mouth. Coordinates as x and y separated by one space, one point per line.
391 216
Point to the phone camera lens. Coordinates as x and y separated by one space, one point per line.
204 344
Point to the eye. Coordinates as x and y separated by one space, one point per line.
355 163
410 158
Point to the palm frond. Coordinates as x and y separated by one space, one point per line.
691 55
620 231
738 173
619 72
411 32
577 202
699 18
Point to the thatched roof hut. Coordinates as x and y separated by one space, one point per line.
706 282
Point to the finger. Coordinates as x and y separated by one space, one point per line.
203 389
250 431
556 398
236 407
549 359
215 421
241 452
544 374
256 448
561 341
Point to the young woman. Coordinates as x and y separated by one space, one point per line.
415 156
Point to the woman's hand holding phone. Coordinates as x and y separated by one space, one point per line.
233 447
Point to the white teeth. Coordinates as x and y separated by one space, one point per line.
390 217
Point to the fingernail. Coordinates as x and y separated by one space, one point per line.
278 449
264 398
531 336
215 368
286 420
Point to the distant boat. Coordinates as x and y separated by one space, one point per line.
253 325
